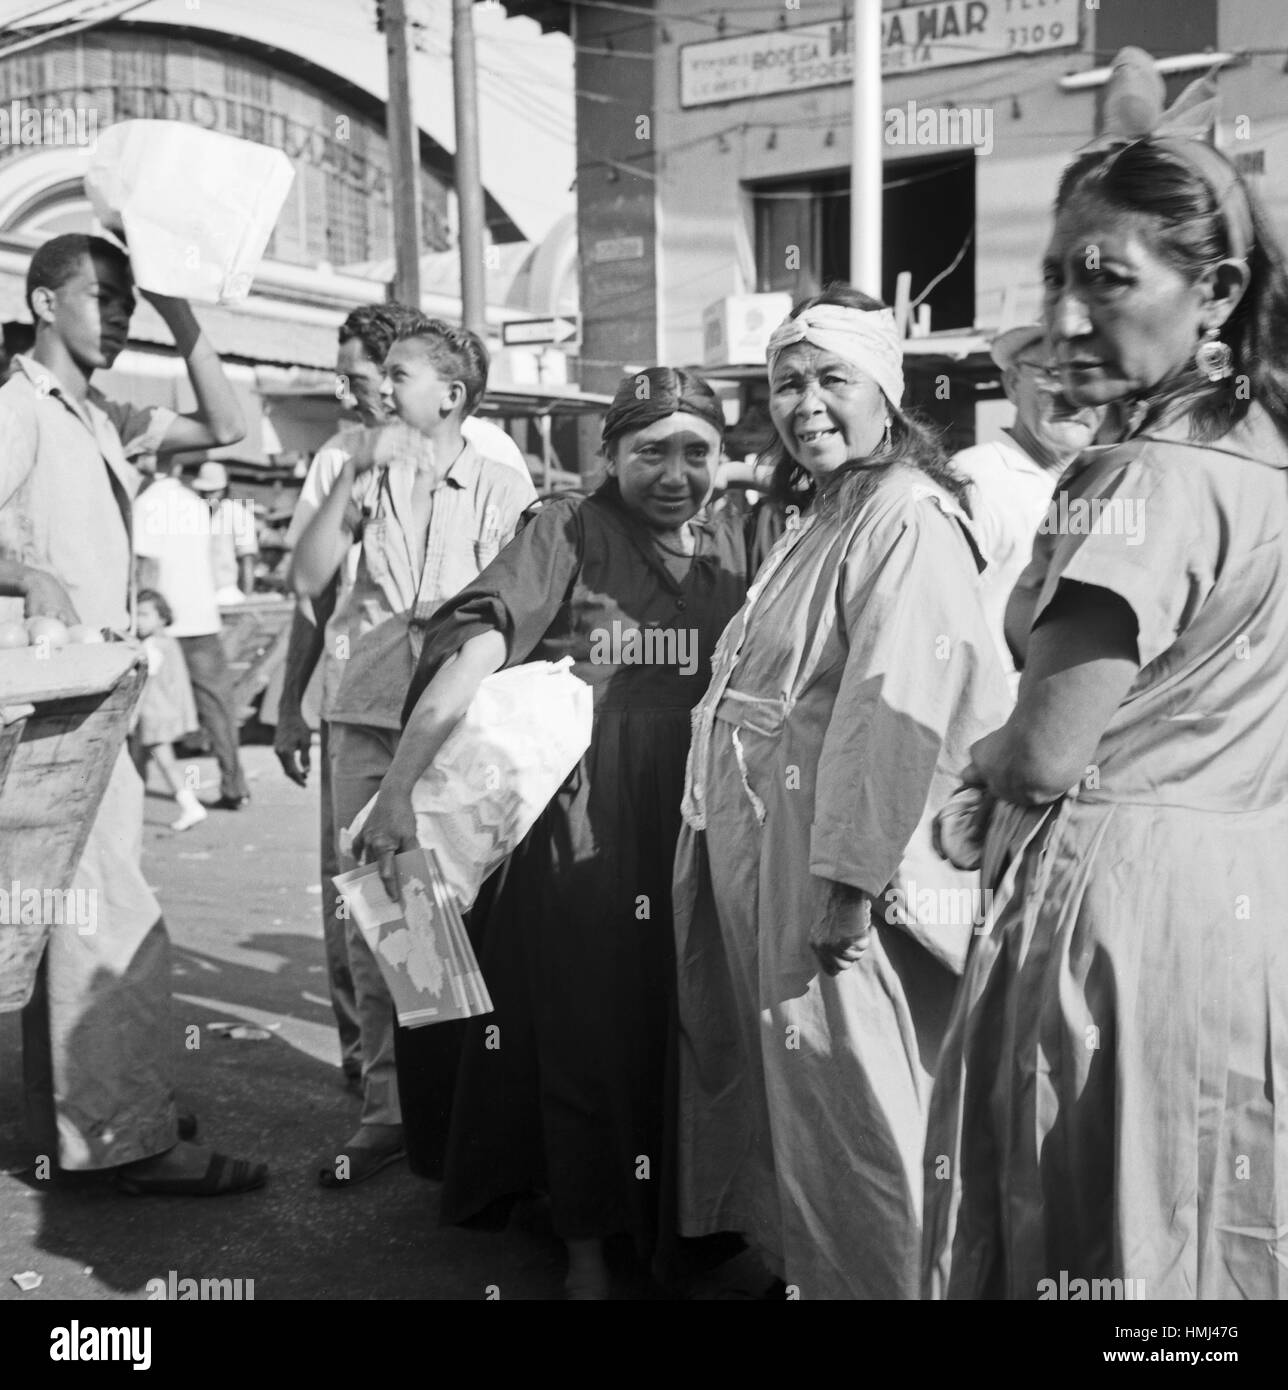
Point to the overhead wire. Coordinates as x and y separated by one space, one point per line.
947 270
537 114
20 19
76 26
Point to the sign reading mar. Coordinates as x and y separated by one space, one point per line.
912 38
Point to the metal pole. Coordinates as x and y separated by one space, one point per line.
547 450
469 180
404 157
865 157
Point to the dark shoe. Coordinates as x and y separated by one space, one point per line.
187 1125
223 1177
229 803
744 1277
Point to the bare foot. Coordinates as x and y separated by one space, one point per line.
369 1150
381 1138
587 1280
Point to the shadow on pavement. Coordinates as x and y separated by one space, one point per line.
271 1099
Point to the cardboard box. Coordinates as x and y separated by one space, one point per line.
735 330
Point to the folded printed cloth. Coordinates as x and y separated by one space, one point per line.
959 828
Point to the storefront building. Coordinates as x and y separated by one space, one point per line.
714 147
331 247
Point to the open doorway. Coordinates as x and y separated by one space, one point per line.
802 233
928 229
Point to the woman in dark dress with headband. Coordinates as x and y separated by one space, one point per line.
576 941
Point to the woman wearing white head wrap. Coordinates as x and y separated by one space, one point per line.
819 937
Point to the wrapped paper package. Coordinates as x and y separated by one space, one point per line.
197 207
524 732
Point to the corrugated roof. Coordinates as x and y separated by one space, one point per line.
251 338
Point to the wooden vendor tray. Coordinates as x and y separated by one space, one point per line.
63 719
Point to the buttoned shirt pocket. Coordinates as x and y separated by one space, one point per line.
376 539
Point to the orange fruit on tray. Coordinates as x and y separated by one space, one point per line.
13 635
47 630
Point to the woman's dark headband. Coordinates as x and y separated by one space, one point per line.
641 414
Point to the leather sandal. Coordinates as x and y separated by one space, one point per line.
223 1177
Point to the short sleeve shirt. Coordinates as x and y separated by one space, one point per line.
1010 496
489 440
318 482
1192 537
474 511
172 526
232 539
67 487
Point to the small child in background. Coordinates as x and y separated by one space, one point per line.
166 711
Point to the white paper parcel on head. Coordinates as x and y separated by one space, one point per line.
197 207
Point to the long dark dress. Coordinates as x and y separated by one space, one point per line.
562 1088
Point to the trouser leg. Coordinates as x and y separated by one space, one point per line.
360 757
334 936
212 690
96 1034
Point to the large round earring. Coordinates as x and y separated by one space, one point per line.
1213 357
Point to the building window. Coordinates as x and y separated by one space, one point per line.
23 77
346 222
928 229
338 208
802 234
314 183
140 66
248 81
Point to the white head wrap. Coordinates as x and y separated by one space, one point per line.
866 338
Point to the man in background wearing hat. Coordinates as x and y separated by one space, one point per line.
235 545
1012 479
175 549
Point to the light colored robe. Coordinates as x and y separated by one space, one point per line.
1107 1109
845 699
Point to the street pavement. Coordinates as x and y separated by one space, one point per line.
241 899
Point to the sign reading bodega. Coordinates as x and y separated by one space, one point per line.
912 38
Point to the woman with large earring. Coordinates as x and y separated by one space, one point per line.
1108 1104
818 937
